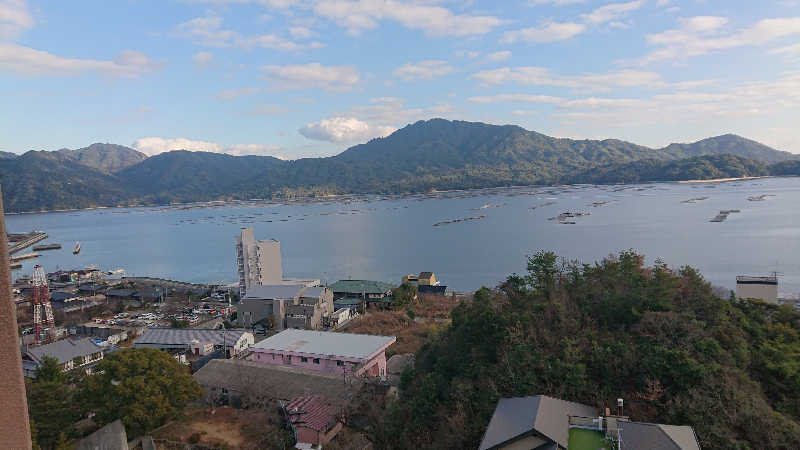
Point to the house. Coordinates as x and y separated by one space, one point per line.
532 422
70 353
237 381
340 316
764 288
360 355
313 419
312 306
181 340
63 296
426 282
109 437
286 306
360 289
635 435
542 422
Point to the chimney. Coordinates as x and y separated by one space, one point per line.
14 428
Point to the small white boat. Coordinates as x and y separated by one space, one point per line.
77 248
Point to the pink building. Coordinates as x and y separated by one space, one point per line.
354 354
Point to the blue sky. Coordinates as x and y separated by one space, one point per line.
300 78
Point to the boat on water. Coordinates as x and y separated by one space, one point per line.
77 248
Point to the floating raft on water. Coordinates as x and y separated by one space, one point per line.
723 215
463 219
37 248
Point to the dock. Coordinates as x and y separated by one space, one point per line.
23 257
27 241
38 248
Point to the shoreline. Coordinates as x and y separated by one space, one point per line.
725 180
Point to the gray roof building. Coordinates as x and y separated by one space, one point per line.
274 291
326 343
540 419
249 378
64 350
181 338
653 436
110 437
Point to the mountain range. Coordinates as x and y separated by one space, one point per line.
433 154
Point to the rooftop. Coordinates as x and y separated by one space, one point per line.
283 382
547 416
313 292
64 350
759 280
184 336
312 411
361 286
326 343
636 435
273 291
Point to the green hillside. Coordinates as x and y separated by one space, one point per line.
660 339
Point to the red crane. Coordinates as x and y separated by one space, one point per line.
41 297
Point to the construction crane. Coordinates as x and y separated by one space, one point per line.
41 298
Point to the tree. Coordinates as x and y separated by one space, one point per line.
49 370
143 387
52 408
404 295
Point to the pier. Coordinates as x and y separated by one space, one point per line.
25 241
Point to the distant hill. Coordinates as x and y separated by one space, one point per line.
786 168
426 155
37 181
706 167
7 155
107 158
730 144
192 176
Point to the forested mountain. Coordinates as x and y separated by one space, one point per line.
786 168
107 158
707 167
432 154
46 180
730 144
657 337
192 176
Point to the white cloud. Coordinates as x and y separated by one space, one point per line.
267 110
548 32
14 18
611 11
555 2
498 56
526 98
532 75
203 59
344 130
423 70
208 31
700 35
154 145
231 94
313 75
360 15
300 32
27 61
789 50
393 111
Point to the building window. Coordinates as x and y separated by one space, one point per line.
303 359
316 360
339 363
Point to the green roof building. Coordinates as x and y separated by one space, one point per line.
358 288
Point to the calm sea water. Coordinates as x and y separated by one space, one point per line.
383 239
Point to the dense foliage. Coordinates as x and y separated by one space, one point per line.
786 168
660 339
433 154
51 405
697 168
143 387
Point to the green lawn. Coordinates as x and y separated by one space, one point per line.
580 439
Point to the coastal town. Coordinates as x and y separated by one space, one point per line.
308 353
